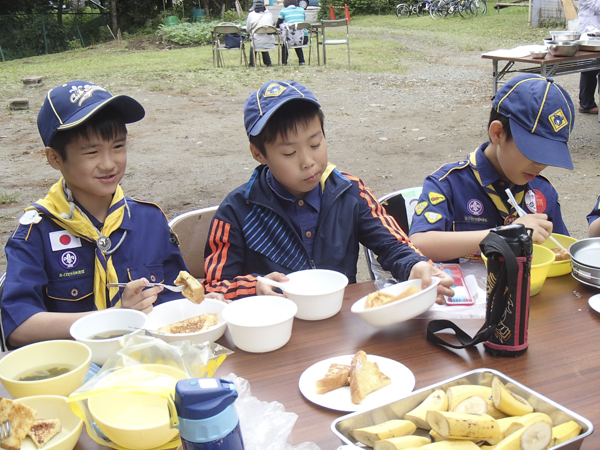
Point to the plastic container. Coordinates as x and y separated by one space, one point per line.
207 416
171 20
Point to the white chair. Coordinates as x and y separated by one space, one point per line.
294 27
401 206
192 230
3 341
218 38
265 29
329 41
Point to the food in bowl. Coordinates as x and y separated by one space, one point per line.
192 325
43 430
21 419
193 291
58 354
560 266
560 254
379 298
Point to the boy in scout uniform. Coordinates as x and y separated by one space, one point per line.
529 128
85 232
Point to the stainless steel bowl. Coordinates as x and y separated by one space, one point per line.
590 46
563 48
564 36
541 54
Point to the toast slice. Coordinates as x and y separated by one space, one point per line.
21 418
194 291
337 376
365 377
191 325
379 298
43 430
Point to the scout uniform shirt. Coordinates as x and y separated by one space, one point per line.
51 269
469 195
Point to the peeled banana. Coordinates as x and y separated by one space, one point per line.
450 445
508 402
472 405
389 429
401 443
523 421
534 436
565 431
436 401
458 393
453 425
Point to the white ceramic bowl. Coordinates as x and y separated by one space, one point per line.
54 407
317 292
260 324
106 322
400 310
177 310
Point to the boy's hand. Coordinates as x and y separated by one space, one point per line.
539 223
136 297
217 296
425 271
265 289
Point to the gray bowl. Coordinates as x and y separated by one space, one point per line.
563 48
541 54
564 36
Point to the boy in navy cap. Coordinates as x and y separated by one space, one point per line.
298 211
85 232
530 124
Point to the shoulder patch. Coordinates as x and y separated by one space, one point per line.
420 208
30 216
432 217
436 198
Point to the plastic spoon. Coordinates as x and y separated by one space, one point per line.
283 286
521 213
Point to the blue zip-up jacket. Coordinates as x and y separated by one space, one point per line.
251 235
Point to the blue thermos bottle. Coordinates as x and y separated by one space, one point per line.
207 416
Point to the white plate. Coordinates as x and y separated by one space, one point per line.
403 382
594 302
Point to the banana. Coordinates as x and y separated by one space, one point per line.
508 402
453 425
523 421
436 401
389 429
435 436
472 405
563 432
450 445
401 443
457 394
493 411
534 436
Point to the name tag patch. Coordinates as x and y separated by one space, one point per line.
63 240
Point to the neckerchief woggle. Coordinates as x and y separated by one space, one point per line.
56 206
504 211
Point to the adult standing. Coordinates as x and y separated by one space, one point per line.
260 16
589 20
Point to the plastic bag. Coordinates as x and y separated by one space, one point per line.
265 426
146 365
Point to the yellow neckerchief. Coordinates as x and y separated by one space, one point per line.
330 168
63 212
501 206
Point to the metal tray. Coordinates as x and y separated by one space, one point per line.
341 427
590 46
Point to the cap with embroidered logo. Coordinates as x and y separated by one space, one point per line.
261 104
541 116
72 104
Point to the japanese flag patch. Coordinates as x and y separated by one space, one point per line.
62 240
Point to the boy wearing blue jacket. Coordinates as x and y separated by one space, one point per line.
298 211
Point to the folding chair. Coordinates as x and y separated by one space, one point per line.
218 36
293 27
325 41
3 340
192 230
265 29
401 206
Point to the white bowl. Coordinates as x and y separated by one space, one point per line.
177 310
105 321
400 310
317 292
260 324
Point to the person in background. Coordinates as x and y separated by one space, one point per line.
529 128
589 21
593 223
288 15
298 211
259 16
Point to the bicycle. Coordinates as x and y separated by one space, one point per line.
422 8
403 9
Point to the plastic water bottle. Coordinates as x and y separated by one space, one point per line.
207 416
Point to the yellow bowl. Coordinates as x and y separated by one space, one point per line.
54 407
540 265
45 355
132 420
559 268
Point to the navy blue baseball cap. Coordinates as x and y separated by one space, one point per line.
541 116
72 104
261 104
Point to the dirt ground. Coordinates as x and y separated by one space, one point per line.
390 129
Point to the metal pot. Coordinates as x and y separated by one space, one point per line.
563 48
564 36
585 261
